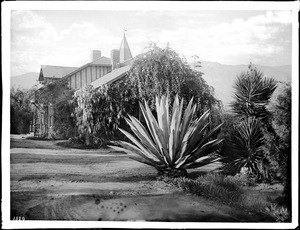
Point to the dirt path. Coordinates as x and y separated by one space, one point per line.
53 183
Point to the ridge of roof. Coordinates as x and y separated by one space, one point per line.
58 66
108 62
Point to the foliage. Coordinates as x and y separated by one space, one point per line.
161 71
282 123
158 71
245 144
211 186
99 112
252 94
231 190
242 179
64 125
282 114
54 92
59 95
280 214
171 142
20 110
244 148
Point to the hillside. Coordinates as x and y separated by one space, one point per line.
222 77
24 81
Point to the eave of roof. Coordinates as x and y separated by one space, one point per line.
111 77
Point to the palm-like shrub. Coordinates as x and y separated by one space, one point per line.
172 143
244 148
252 94
253 122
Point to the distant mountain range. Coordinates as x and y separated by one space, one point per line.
24 81
220 76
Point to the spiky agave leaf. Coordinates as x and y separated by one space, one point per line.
174 141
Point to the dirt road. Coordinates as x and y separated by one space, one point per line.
49 182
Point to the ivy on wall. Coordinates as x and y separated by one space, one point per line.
59 95
100 112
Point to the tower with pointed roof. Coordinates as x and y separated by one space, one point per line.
125 53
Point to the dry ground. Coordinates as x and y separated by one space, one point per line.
49 182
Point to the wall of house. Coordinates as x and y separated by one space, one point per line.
49 80
85 76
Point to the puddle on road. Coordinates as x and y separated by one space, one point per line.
170 207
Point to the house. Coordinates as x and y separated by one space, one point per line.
99 71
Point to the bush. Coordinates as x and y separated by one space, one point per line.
242 179
59 95
247 144
229 190
213 186
280 214
100 112
21 113
64 122
244 148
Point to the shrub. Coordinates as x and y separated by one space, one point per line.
242 179
21 113
172 143
244 148
280 214
252 94
59 95
228 190
246 143
100 112
64 122
212 186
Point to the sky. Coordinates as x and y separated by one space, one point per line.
66 37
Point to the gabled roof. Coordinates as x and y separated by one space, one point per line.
111 77
102 61
49 71
125 52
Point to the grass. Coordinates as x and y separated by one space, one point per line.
232 190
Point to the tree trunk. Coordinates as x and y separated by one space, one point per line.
87 139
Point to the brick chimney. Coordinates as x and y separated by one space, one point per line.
95 54
115 58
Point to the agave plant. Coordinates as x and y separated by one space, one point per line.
172 143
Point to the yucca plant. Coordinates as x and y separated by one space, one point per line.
174 142
244 148
252 94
